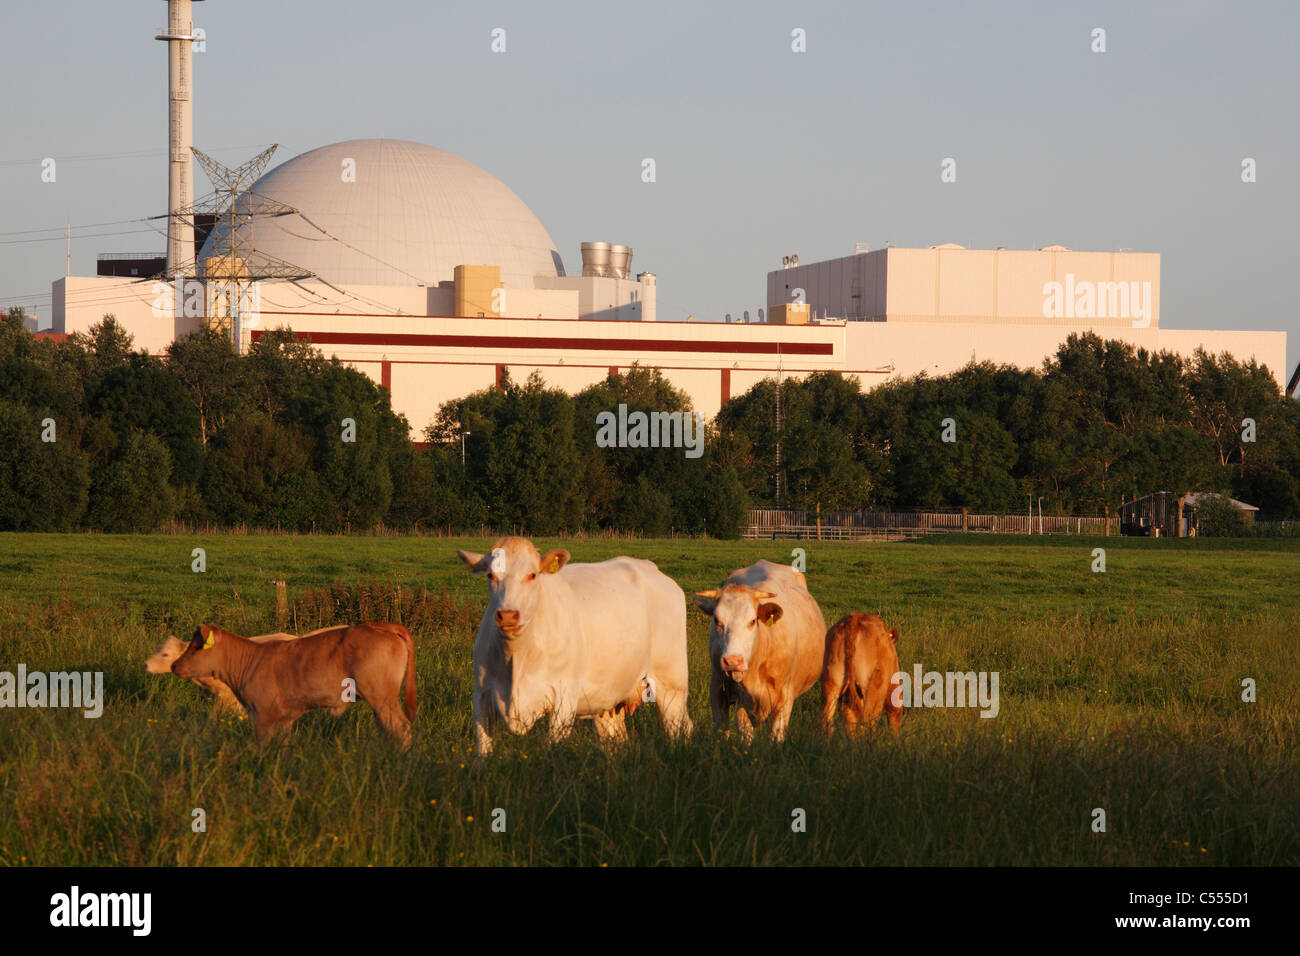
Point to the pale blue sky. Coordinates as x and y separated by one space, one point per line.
759 151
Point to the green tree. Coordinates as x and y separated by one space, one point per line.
141 394
530 469
133 494
255 475
43 485
645 508
1218 517
206 364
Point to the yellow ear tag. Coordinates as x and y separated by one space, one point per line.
210 641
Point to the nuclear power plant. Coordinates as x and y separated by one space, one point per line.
429 274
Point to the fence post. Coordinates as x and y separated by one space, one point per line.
281 605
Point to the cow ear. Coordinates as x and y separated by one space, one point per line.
477 563
769 613
553 560
707 601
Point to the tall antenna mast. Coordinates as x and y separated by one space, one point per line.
180 38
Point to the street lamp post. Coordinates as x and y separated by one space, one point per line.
463 436
1040 514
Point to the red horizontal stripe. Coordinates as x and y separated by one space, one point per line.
297 313
416 340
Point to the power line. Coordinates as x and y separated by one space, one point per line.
63 238
97 157
362 251
61 230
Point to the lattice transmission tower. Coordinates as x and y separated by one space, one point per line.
233 266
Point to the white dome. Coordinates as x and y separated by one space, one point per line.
412 215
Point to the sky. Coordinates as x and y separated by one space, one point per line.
759 151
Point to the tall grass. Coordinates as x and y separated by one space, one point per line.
1119 691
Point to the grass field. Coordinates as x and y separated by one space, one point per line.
1119 690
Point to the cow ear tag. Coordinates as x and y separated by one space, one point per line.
211 639
498 561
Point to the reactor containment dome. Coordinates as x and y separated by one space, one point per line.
394 212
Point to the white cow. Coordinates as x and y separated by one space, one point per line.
575 640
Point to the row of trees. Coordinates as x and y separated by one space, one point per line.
94 434
1099 423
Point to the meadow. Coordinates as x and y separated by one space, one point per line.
1119 690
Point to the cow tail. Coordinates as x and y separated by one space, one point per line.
409 706
850 656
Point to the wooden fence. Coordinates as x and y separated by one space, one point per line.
898 525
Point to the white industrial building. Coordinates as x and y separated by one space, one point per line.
433 277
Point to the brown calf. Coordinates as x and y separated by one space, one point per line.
857 673
279 681
173 647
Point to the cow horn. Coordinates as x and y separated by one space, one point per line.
712 595
764 595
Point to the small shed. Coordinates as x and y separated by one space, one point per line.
1194 499
1163 514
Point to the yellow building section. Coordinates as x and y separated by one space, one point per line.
479 292
789 314
227 290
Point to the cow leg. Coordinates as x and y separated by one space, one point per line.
611 727
895 715
781 720
745 725
268 727
877 692
672 710
482 725
227 703
719 701
893 706
563 716
894 711
830 700
832 684
852 722
393 721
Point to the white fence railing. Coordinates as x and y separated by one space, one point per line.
894 525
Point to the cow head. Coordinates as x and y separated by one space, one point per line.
738 612
203 654
514 572
163 658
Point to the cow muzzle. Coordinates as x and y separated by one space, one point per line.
508 622
733 665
